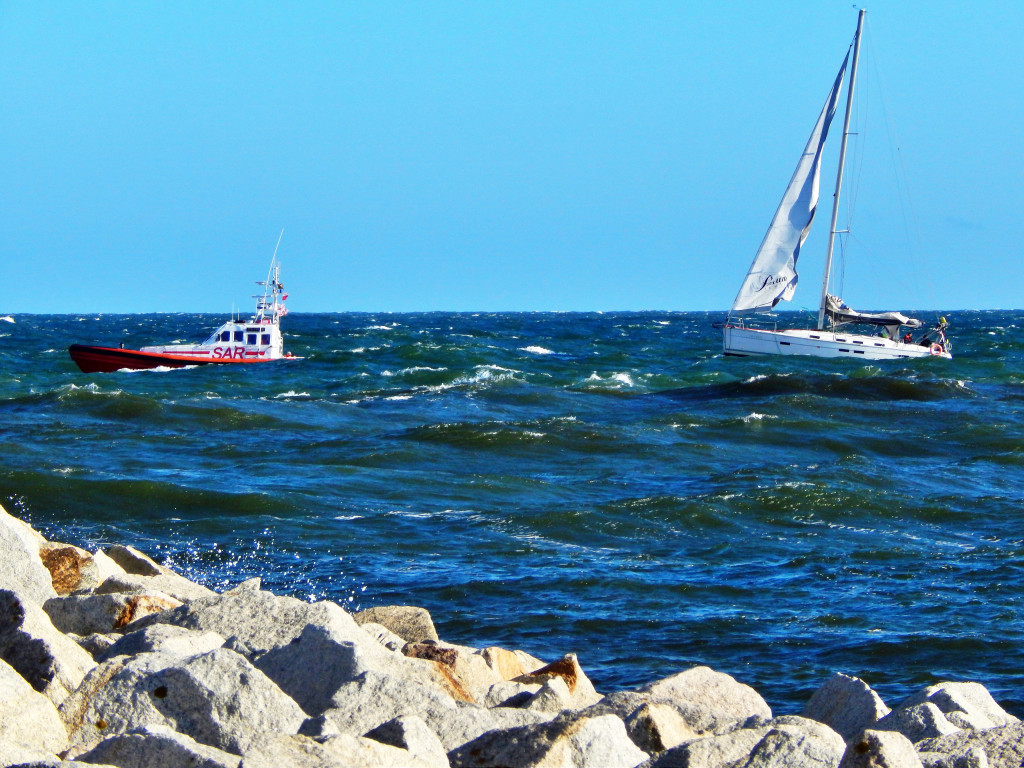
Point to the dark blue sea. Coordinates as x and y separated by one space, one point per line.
604 484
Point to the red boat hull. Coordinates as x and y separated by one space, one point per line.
108 359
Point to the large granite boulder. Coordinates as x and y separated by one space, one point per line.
709 701
155 746
455 728
415 736
279 751
797 742
1002 746
138 572
21 569
169 583
218 698
965 705
570 741
259 621
316 664
50 662
880 749
653 726
507 665
783 742
373 698
27 717
161 638
410 623
846 704
580 689
917 722
103 613
467 671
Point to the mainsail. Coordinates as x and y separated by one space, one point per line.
772 276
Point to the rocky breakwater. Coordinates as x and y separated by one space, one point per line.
108 658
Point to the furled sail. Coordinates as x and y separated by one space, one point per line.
772 276
840 313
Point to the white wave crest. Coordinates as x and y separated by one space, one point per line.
534 350
615 379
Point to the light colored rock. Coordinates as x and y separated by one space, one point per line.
170 583
466 723
708 700
18 756
318 728
474 673
249 585
373 699
566 742
96 643
415 736
917 722
50 662
458 670
581 690
508 694
846 704
384 636
965 705
105 568
87 710
410 623
163 638
133 561
278 751
21 570
553 696
156 745
656 727
527 662
732 748
315 665
506 664
653 726
259 620
880 749
797 742
28 718
218 698
103 613
1003 745
972 758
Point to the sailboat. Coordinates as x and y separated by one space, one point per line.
773 277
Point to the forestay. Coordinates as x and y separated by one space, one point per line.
772 276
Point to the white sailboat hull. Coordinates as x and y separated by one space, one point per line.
756 341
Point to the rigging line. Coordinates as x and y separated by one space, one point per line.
908 217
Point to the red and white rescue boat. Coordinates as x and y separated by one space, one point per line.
257 341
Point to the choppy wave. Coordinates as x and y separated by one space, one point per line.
797 517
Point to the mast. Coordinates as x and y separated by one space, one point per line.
839 172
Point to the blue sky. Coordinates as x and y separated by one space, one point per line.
495 155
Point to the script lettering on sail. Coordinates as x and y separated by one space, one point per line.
772 276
